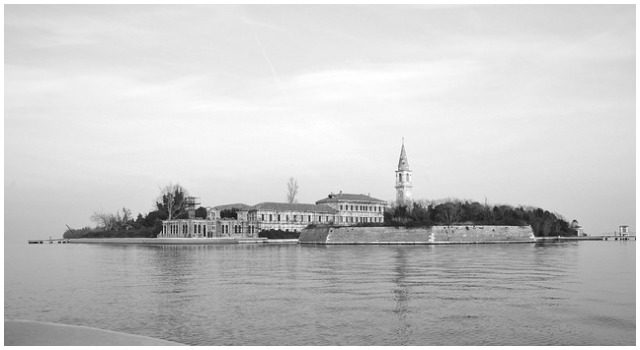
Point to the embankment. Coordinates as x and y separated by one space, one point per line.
167 240
424 235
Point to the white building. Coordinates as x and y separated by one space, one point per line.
290 216
354 209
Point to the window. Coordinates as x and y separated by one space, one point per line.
400 176
309 218
287 217
320 218
278 217
340 206
262 217
270 217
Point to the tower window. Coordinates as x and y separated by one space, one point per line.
400 176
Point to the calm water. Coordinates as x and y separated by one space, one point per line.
578 293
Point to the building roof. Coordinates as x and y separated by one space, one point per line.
239 206
347 197
403 163
294 207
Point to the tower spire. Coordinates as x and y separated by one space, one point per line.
403 163
403 178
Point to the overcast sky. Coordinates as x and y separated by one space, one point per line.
523 105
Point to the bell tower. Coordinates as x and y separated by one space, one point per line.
403 179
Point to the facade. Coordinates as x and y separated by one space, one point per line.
206 228
403 179
623 230
354 209
289 216
576 226
341 209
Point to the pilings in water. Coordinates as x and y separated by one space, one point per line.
50 241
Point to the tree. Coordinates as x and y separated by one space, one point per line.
201 213
126 215
103 220
231 213
172 201
292 190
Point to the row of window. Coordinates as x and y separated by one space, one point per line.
303 218
202 229
408 178
357 219
373 208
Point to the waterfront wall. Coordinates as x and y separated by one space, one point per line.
224 240
423 235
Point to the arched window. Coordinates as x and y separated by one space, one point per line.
400 177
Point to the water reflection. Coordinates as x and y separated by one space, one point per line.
571 294
401 296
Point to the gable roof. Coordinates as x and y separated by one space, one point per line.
294 207
239 206
348 197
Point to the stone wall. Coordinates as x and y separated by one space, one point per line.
429 235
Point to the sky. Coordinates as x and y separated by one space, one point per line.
520 104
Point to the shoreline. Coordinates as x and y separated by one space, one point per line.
37 333
226 240
182 241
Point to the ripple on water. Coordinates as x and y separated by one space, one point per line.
343 295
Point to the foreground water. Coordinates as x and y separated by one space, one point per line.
577 293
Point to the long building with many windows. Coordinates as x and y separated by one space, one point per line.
341 209
355 208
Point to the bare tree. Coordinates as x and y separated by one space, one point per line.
126 215
292 190
172 201
103 220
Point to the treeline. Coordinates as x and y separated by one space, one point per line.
171 204
543 222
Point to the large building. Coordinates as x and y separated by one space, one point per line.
354 209
341 209
290 216
403 179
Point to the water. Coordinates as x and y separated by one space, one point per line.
577 293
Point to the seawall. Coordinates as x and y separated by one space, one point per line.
459 234
167 240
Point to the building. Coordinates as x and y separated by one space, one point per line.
623 230
403 179
187 228
576 226
337 209
290 216
352 209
